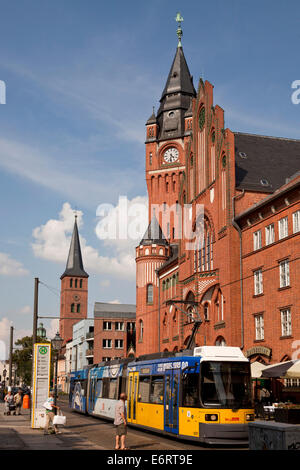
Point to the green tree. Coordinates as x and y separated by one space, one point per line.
22 358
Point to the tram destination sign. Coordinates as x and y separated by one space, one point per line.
41 383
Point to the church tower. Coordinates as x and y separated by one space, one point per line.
167 135
74 289
152 252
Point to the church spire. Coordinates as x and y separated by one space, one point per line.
177 94
74 264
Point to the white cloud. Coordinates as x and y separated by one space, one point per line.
54 328
11 267
26 310
5 325
52 242
116 301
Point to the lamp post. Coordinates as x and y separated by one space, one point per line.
41 332
56 344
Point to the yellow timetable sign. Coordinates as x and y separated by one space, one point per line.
41 383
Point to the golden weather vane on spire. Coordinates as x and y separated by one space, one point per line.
179 20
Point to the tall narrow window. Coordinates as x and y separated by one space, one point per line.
296 222
257 240
258 282
259 327
71 282
283 228
284 270
270 234
208 252
286 322
72 308
80 284
150 294
76 283
141 330
78 308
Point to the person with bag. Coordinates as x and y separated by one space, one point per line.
18 401
9 403
49 405
120 422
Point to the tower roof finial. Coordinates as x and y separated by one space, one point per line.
179 19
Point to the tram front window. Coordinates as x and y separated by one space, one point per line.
225 384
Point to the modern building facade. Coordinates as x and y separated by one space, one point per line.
223 238
114 331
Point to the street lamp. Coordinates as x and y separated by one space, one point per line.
56 344
41 332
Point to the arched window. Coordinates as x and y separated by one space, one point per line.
220 341
80 284
190 308
149 293
75 283
206 311
72 308
78 308
71 282
141 330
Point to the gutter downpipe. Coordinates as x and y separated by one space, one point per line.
236 226
156 271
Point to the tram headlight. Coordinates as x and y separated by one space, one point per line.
211 417
249 417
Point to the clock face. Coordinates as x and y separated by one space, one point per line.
171 155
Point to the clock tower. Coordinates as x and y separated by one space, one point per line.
167 133
74 289
167 136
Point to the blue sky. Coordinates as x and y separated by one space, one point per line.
81 79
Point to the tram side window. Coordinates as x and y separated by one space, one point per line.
105 388
157 389
144 389
190 390
98 388
123 385
113 389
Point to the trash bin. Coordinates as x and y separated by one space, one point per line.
268 435
26 402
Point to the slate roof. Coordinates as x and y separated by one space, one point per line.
108 310
74 264
154 234
179 78
173 257
264 163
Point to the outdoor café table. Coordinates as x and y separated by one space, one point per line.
269 410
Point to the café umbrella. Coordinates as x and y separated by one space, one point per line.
256 369
288 369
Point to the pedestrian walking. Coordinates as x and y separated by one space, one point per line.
120 422
50 414
9 402
18 401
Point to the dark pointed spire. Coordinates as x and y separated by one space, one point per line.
175 99
74 264
154 234
152 118
179 79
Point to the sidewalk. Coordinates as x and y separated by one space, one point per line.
16 434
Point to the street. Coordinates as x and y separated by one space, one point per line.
84 432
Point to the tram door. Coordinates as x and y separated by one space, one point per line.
171 400
132 395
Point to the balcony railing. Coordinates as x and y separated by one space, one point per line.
90 335
89 352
